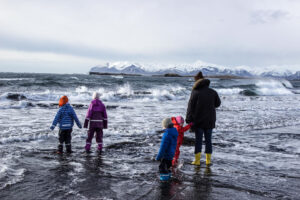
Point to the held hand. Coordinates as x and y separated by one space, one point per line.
52 128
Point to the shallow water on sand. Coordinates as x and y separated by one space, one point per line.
256 142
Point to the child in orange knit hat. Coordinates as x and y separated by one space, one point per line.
65 117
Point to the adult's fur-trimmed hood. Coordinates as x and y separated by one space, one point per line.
201 83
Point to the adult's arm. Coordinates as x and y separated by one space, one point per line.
191 108
217 100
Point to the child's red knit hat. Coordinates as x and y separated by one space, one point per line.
63 100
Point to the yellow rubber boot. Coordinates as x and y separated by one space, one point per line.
208 158
197 159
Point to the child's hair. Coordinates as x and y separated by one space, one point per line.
63 100
96 95
167 123
179 120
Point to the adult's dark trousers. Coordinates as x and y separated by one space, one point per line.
64 136
199 132
165 166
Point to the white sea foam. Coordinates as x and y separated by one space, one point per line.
15 79
125 90
81 89
286 83
77 167
75 78
46 95
118 77
22 138
266 87
162 95
16 105
15 176
9 174
272 87
229 91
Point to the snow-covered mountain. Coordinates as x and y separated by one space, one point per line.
276 74
132 69
136 68
295 76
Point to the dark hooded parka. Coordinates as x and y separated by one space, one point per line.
202 105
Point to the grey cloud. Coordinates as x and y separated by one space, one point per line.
48 46
267 16
224 32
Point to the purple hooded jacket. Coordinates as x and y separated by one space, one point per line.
96 116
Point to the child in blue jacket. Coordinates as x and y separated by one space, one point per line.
65 117
167 149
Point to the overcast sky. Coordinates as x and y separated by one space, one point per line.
74 35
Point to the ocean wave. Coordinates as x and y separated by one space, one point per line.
125 92
273 88
15 79
13 96
27 138
118 77
229 91
248 93
267 87
84 94
47 83
81 89
286 83
74 78
9 174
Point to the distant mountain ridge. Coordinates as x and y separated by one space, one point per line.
206 70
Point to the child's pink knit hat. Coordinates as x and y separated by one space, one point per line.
179 119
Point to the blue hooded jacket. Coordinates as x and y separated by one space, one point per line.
168 144
65 117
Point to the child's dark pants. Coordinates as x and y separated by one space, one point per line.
64 136
99 136
165 166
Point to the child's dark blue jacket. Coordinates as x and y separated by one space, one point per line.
65 117
168 144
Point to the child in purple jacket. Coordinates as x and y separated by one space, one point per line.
95 121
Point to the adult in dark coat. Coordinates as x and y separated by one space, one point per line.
202 113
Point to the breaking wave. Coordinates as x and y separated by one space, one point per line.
273 88
81 95
260 88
